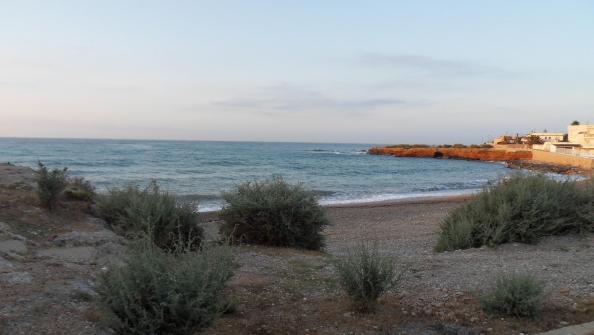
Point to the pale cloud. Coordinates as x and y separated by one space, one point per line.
431 66
281 99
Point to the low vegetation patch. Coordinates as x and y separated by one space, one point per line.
157 292
447 146
273 212
481 146
515 295
50 185
80 189
522 208
135 212
409 146
365 274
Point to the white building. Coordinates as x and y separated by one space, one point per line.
582 134
580 141
549 137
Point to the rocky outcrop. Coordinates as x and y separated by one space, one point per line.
17 177
544 167
49 262
482 154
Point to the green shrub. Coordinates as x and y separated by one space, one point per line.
522 208
534 139
134 212
515 295
80 189
113 206
156 292
458 145
365 275
486 146
274 213
50 185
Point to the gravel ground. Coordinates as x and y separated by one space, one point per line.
409 231
287 288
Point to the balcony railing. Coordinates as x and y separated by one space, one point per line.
571 152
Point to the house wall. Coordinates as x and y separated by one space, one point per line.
586 151
582 134
561 159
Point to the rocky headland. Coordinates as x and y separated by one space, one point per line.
513 158
482 154
49 261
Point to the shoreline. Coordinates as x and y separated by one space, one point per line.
404 202
413 199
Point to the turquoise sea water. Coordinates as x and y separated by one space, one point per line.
339 173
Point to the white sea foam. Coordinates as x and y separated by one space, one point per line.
213 206
389 196
205 207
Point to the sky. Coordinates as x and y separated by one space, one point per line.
307 71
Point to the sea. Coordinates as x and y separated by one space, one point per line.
201 170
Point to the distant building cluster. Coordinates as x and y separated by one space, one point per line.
579 140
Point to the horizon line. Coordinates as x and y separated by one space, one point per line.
175 140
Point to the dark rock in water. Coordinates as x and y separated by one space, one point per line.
543 167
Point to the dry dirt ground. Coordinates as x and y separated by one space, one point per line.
49 262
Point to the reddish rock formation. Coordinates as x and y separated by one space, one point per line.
455 153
